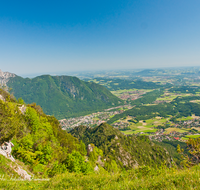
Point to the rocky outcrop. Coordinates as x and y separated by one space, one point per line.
5 150
89 149
22 109
4 77
21 172
2 98
126 158
99 162
96 168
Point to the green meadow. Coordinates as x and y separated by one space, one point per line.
138 179
145 126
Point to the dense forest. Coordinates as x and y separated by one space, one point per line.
121 84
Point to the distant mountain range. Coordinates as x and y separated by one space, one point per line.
61 96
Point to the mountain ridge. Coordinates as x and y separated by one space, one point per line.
127 151
63 96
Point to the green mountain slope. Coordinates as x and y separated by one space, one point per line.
63 96
45 150
39 142
127 151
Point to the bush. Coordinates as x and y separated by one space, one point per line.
75 162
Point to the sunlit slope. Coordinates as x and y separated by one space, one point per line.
39 142
63 96
127 151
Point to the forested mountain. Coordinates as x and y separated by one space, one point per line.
46 149
38 139
63 96
127 151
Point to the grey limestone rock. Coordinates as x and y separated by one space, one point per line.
5 150
89 149
4 77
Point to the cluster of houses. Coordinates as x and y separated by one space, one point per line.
132 95
160 135
92 119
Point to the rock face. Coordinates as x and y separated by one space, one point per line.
4 77
89 149
22 173
96 168
5 150
2 98
22 109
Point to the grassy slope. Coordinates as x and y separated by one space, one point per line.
63 96
5 170
135 179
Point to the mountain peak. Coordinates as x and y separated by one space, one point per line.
4 77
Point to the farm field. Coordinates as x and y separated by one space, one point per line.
169 96
170 129
191 136
144 126
195 101
130 93
185 118
154 125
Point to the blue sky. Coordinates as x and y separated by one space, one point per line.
64 36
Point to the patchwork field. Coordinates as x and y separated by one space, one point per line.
150 126
169 96
130 93
146 126
190 136
169 130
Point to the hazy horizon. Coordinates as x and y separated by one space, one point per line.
61 36
84 72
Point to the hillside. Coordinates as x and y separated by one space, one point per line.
58 160
127 151
39 142
63 96
46 149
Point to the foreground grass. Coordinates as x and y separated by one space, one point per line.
144 178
